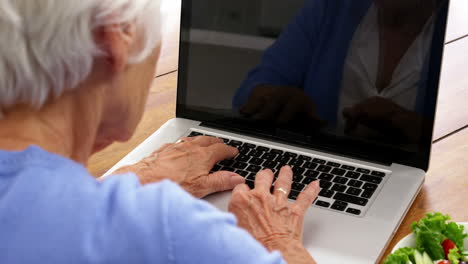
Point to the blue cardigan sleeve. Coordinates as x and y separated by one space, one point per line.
287 60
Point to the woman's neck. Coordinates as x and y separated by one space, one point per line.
67 127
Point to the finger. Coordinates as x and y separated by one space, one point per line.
204 141
241 188
223 181
221 152
264 180
307 196
283 182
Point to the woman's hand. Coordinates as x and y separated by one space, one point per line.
271 218
189 163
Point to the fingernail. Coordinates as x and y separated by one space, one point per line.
236 180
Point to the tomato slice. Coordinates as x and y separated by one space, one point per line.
444 262
447 245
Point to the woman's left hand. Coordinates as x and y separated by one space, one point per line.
189 163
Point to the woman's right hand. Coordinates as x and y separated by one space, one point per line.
271 218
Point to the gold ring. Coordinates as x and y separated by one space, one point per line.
282 190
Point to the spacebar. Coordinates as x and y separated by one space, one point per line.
350 199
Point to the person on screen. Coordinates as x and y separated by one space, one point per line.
360 66
74 78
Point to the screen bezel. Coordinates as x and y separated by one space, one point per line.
373 153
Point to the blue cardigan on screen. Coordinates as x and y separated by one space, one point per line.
311 53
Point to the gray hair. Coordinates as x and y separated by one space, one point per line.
47 46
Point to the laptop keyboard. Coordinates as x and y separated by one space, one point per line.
344 188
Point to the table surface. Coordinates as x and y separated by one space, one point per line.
446 186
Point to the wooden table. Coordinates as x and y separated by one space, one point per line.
446 186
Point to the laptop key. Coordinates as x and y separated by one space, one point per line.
367 194
339 188
290 154
339 206
283 159
226 163
235 143
250 146
254 168
340 180
297 178
333 164
195 134
242 173
262 149
297 186
311 165
372 179
228 169
352 175
312 173
350 199
243 150
353 211
378 174
326 193
293 195
370 186
240 165
308 180
355 183
354 191
225 140
251 184
365 171
302 157
251 176
256 153
322 204
256 161
319 161
326 177
325 184
298 170
277 151
269 156
242 158
324 168
270 164
339 172
346 167
296 162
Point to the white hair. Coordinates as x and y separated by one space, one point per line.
47 46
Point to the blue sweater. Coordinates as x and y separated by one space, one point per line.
311 52
52 211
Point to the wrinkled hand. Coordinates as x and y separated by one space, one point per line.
281 104
189 163
271 218
385 116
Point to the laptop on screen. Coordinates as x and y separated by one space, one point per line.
344 91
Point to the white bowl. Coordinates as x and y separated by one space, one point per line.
410 240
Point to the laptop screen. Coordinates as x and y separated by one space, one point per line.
355 77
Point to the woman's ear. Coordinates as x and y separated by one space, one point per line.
118 42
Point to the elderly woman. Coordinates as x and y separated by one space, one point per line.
74 77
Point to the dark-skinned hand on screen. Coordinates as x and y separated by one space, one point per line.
385 117
283 105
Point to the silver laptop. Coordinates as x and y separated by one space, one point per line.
330 87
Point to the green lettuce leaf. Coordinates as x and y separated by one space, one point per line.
455 232
429 234
454 256
401 256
